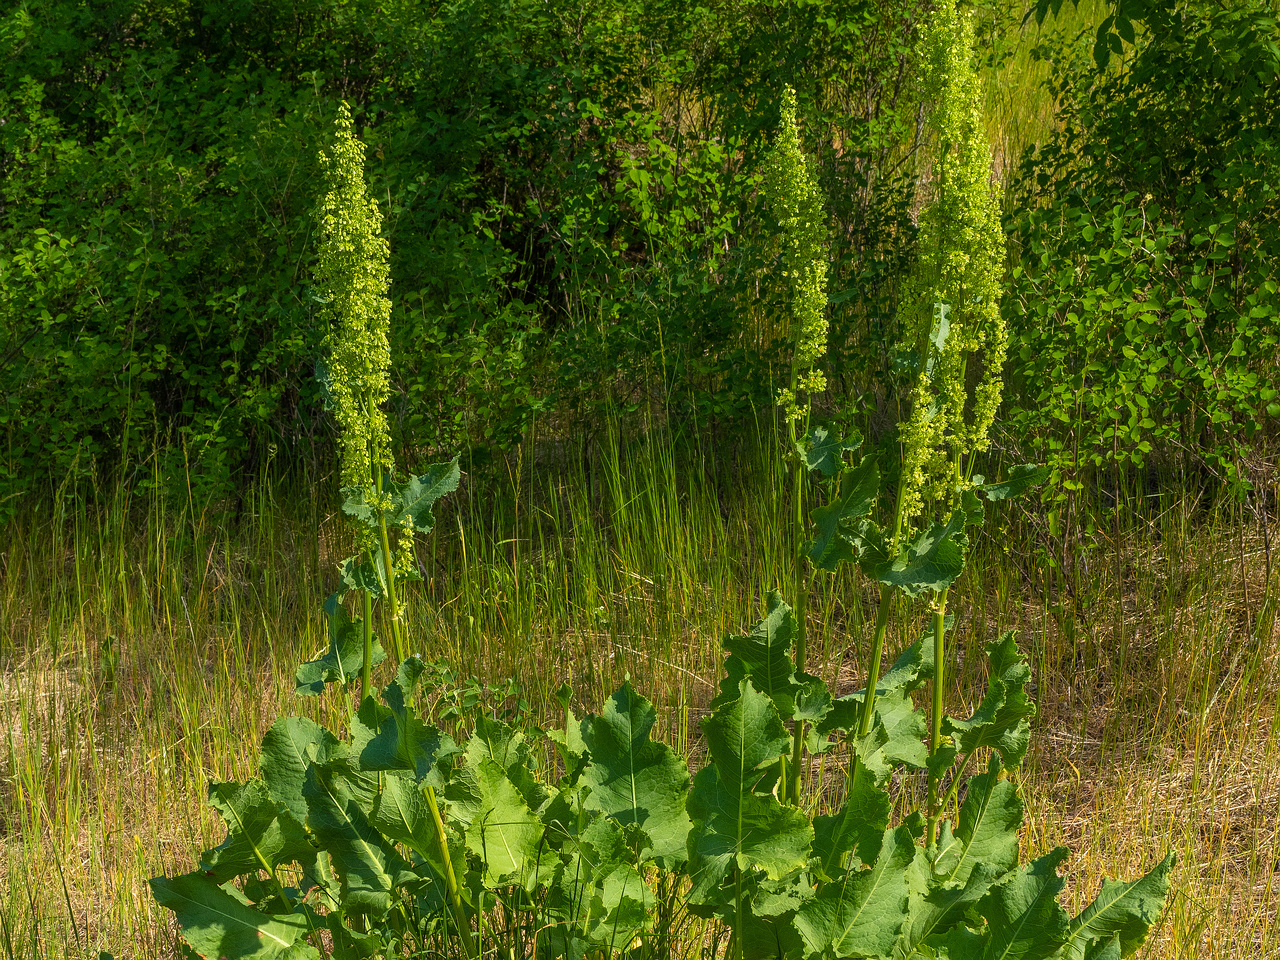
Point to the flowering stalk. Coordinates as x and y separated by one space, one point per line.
352 272
793 192
957 306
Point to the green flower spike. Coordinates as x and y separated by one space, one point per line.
352 273
954 296
793 192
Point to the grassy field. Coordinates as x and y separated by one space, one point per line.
145 647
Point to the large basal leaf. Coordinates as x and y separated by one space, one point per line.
261 834
836 540
500 828
987 831
862 913
738 822
508 748
1024 919
220 924
859 825
932 561
620 909
1002 719
339 801
734 829
635 780
345 656
1123 910
291 746
746 737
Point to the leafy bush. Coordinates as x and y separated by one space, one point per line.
1145 304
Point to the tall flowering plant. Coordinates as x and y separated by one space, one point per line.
351 279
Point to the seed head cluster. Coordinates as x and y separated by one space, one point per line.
953 301
793 193
352 276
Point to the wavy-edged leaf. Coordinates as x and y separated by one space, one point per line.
339 801
291 746
635 780
1123 910
859 825
823 451
764 655
220 924
508 748
1002 718
1024 919
1020 479
836 540
500 828
738 822
386 739
412 503
862 913
261 833
343 660
932 561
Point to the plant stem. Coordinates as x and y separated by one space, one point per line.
791 785
935 731
366 668
384 543
450 879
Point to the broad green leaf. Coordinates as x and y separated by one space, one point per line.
413 501
636 780
771 937
1002 718
384 739
858 825
401 813
738 822
1024 918
836 540
862 913
500 828
362 574
746 737
821 450
220 924
736 829
620 909
764 655
345 656
366 862
291 746
932 561
261 833
987 831
1021 478
1124 910
509 748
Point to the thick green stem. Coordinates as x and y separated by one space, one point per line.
450 878
935 730
792 784
384 544
366 667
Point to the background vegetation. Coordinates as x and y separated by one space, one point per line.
585 302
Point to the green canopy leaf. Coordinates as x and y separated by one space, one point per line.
836 539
